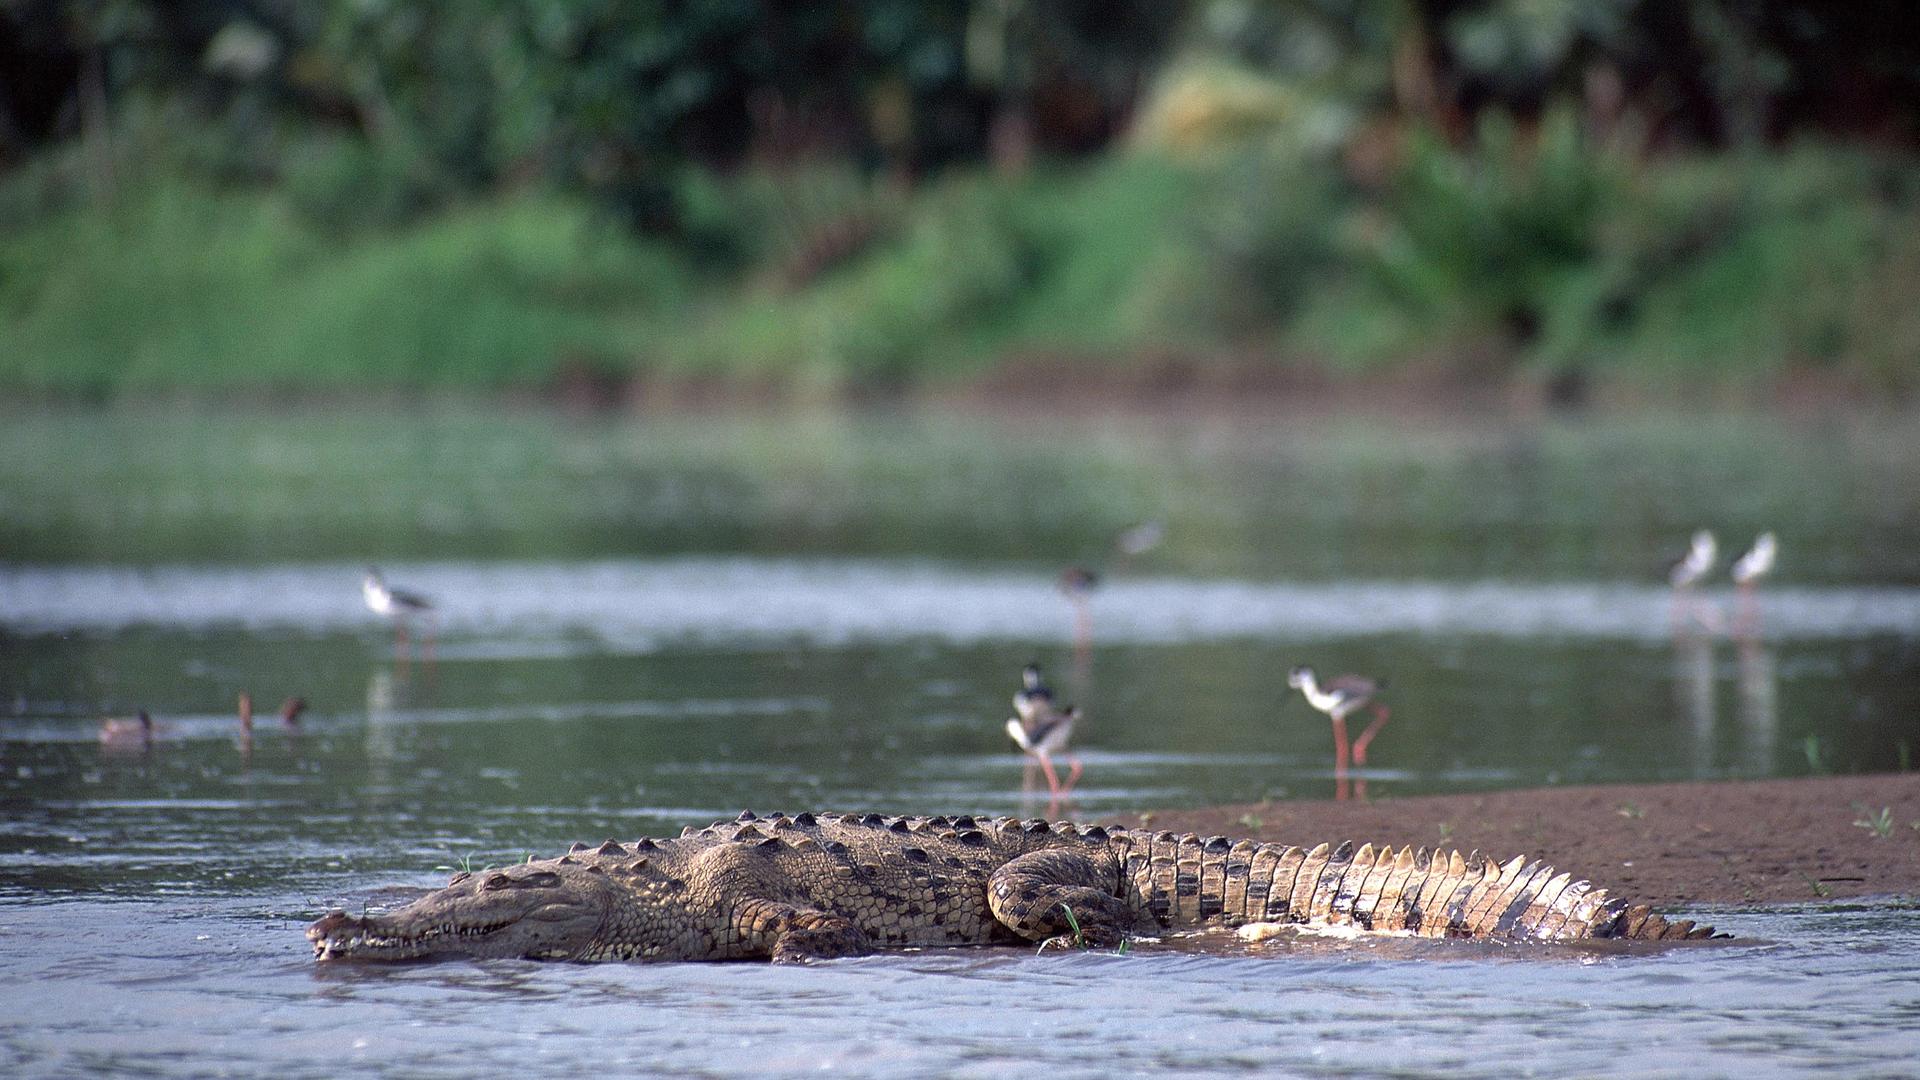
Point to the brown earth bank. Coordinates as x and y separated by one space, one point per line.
1669 845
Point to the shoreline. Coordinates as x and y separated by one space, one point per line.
1672 845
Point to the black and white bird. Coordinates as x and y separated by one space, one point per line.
1041 730
1341 697
1076 583
1034 696
1698 561
1045 736
398 606
1757 563
389 602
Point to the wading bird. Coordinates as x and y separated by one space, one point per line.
1077 584
1748 569
1138 540
1043 736
397 605
1757 563
1688 607
1698 560
1340 698
1034 695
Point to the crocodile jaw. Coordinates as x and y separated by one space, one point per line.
555 921
340 936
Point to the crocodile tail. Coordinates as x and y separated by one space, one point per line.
1641 923
1520 900
1376 887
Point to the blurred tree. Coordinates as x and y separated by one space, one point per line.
395 106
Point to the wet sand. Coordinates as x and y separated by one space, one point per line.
1671 845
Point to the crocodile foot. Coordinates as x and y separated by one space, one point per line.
1087 937
1050 894
819 936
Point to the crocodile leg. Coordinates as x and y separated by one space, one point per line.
793 935
817 935
1044 895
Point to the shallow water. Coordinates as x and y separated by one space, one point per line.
177 987
646 626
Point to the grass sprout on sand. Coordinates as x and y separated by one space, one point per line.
1878 822
1814 883
1816 754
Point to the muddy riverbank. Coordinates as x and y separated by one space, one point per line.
1731 842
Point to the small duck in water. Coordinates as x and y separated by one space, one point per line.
127 733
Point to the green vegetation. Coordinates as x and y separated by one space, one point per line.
1819 887
1816 755
1078 940
1878 822
181 288
918 193
465 867
1316 498
1540 260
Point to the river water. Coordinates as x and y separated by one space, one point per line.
173 986
644 626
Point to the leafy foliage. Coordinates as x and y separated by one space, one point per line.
860 196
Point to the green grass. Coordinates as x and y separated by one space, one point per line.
1525 253
1878 822
186 289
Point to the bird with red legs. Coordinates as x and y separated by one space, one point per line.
1042 731
1746 572
1339 698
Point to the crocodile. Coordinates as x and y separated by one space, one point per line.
818 886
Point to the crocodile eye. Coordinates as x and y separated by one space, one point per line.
497 881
